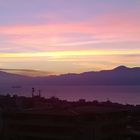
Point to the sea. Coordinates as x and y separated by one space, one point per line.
119 94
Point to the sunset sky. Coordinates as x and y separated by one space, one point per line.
63 36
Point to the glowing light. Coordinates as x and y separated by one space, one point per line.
70 53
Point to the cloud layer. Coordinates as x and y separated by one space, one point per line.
76 28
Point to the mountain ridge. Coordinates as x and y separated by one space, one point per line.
121 75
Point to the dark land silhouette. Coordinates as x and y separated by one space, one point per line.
38 118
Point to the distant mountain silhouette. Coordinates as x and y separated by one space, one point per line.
122 68
118 76
11 79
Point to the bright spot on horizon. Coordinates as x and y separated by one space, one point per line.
62 54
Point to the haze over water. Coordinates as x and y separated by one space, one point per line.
119 94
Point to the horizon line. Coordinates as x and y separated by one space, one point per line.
46 73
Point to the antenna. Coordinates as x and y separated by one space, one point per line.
33 91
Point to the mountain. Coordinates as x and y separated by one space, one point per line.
12 79
118 76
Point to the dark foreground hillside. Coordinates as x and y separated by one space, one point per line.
37 118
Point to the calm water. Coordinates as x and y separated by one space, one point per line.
121 94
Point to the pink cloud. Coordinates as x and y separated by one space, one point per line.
108 28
